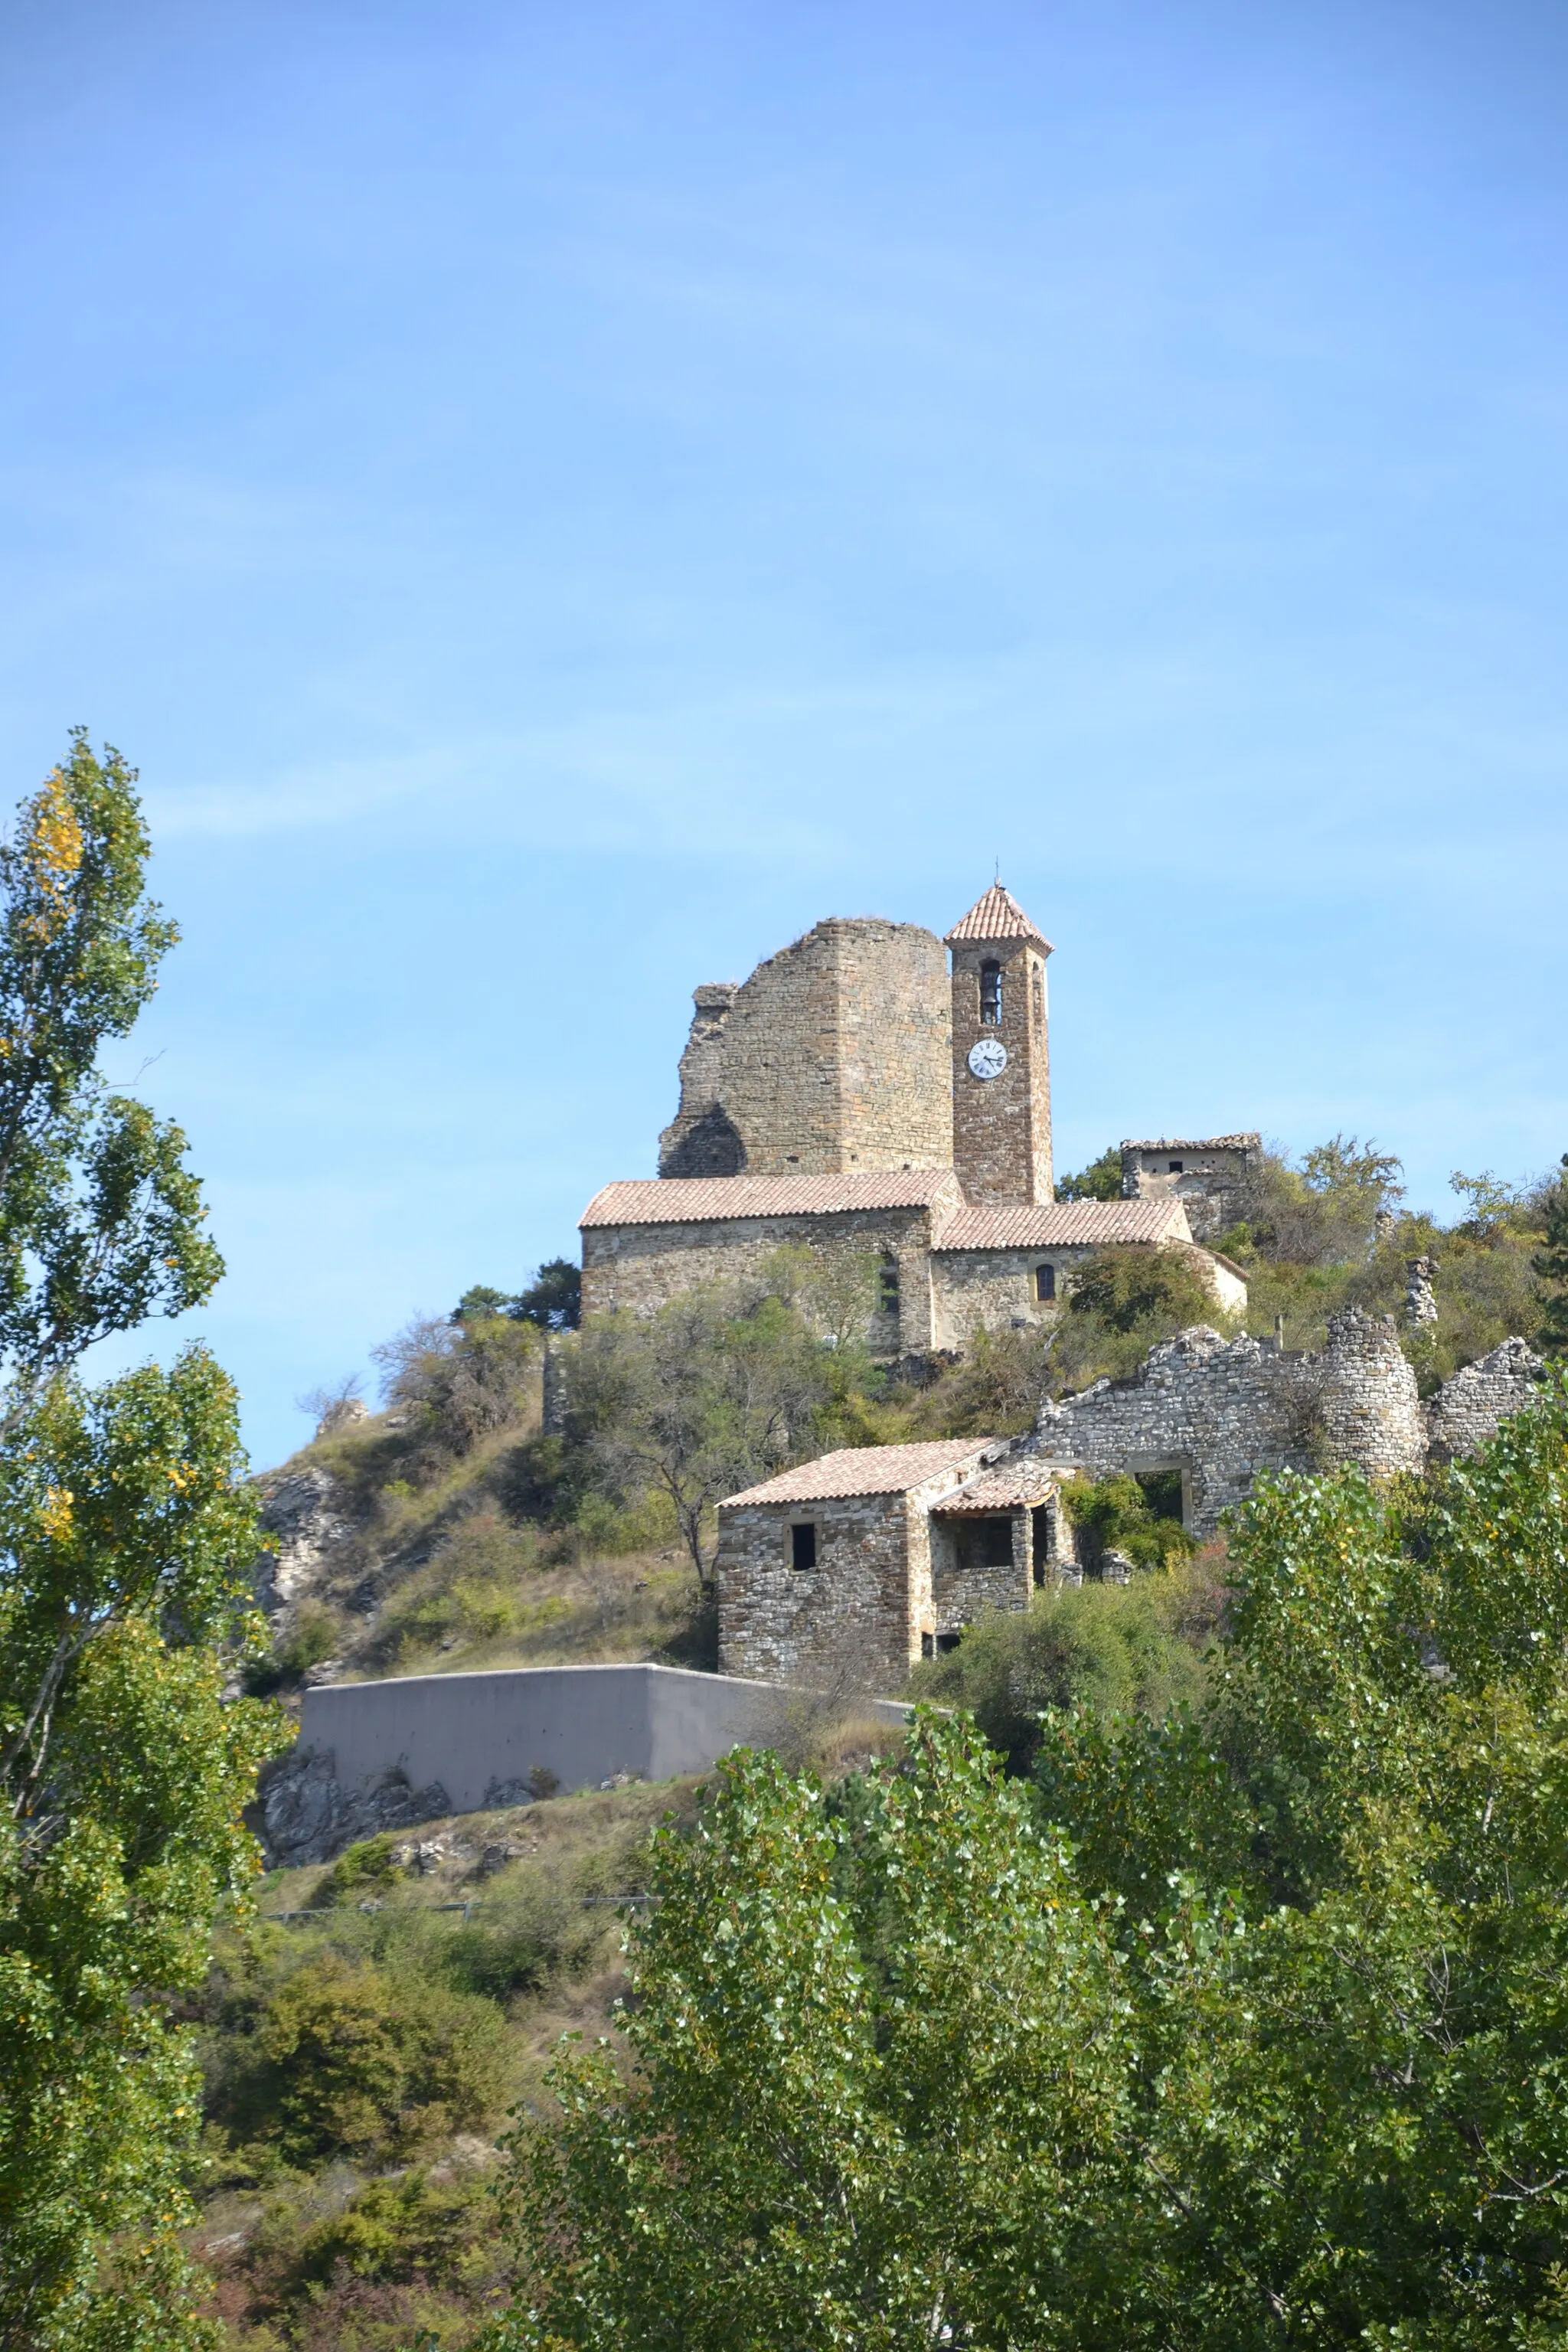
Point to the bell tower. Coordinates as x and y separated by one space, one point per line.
1001 1054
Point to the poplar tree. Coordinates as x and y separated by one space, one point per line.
1551 1267
124 1542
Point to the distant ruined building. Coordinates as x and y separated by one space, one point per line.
873 1093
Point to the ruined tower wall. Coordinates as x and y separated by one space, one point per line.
1468 1406
1002 1126
1223 1413
833 1056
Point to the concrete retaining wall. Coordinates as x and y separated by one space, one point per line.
374 1756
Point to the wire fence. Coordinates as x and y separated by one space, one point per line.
475 1902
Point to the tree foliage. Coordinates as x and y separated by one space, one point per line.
1244 2027
100 1222
124 1544
717 1390
1550 1264
1100 1180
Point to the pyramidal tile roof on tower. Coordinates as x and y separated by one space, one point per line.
996 916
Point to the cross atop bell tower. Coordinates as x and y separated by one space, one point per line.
1001 1054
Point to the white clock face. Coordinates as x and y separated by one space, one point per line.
989 1059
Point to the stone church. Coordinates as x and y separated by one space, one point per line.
873 1092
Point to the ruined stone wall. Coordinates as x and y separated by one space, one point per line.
1368 1410
1002 1126
1224 1413
834 1055
1211 1183
641 1267
963 1594
1468 1408
702 1140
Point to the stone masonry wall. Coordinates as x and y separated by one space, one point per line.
1212 1183
995 1287
702 1140
862 1609
1226 1413
641 1267
1002 1126
960 1594
833 1056
1468 1408
778 1623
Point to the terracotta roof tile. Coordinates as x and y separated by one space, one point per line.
1015 1486
702 1200
1065 1224
996 916
863 1470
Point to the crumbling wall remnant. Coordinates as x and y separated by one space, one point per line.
1224 1412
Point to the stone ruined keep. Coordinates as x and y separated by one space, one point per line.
855 1050
832 1057
857 1098
1224 1412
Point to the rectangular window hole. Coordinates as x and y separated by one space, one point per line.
803 1545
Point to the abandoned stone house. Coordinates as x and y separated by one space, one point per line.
873 1092
880 1555
871 1557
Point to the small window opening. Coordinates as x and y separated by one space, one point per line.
1045 1282
887 1286
946 1641
991 994
986 1543
803 1545
1175 1167
1039 998
928 1645
1161 1492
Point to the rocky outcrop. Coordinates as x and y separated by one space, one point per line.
304 1814
304 1510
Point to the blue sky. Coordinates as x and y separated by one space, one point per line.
555 500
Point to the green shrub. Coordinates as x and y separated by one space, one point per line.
1138 1517
364 1869
402 2230
346 2058
1112 1646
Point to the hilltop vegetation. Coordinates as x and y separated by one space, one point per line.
469 1536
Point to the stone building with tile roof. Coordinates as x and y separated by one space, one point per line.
863 1097
868 1559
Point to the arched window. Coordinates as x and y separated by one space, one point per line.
887 1286
991 994
1045 1282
